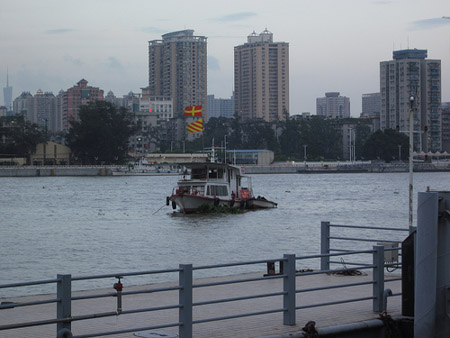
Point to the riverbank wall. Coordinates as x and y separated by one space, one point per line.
36 171
296 168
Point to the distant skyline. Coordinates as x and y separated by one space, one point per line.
335 45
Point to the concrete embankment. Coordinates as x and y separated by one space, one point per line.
323 168
54 171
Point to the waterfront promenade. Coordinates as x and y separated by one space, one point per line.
252 326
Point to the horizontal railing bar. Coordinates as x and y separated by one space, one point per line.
155 327
364 227
334 286
392 280
35 323
236 316
335 254
349 263
332 271
396 294
38 282
125 274
334 303
363 239
37 302
235 281
227 265
150 309
125 293
225 300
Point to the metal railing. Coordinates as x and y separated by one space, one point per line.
185 286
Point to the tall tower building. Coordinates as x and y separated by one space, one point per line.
178 69
261 78
410 73
7 94
333 105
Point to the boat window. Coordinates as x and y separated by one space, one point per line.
198 173
215 173
217 190
198 190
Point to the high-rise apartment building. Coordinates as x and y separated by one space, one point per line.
446 127
178 69
333 105
77 96
220 107
371 104
261 78
410 73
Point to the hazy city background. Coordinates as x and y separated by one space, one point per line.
335 46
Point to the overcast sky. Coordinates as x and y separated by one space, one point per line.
335 45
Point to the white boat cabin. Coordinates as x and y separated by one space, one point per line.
215 180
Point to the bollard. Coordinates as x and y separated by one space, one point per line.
325 245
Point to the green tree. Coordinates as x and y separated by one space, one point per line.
20 136
384 145
101 134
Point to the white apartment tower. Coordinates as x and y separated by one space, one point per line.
178 70
410 73
261 78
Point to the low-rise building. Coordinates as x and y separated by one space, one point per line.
251 156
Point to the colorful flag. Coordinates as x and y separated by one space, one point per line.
195 127
193 111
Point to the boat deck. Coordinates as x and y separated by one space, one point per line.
252 326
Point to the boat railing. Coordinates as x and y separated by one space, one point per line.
187 300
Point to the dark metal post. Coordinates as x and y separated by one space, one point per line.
64 305
185 298
378 277
325 245
289 290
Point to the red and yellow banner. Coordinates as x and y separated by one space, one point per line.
195 127
193 111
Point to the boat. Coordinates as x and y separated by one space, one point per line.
212 184
260 202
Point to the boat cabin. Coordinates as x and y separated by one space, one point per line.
214 180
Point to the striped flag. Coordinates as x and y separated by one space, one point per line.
195 127
193 111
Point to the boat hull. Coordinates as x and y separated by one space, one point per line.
260 203
189 204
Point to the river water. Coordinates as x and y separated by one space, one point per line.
101 225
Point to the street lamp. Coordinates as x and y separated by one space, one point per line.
399 152
304 151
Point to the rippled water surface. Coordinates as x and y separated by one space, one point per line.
98 225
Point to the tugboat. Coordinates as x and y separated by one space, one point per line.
212 184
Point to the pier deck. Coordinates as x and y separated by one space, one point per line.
252 326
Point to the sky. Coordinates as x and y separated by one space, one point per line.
334 45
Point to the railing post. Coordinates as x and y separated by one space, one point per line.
378 276
64 304
185 299
289 290
325 245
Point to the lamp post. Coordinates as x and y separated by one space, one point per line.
411 148
399 152
304 151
